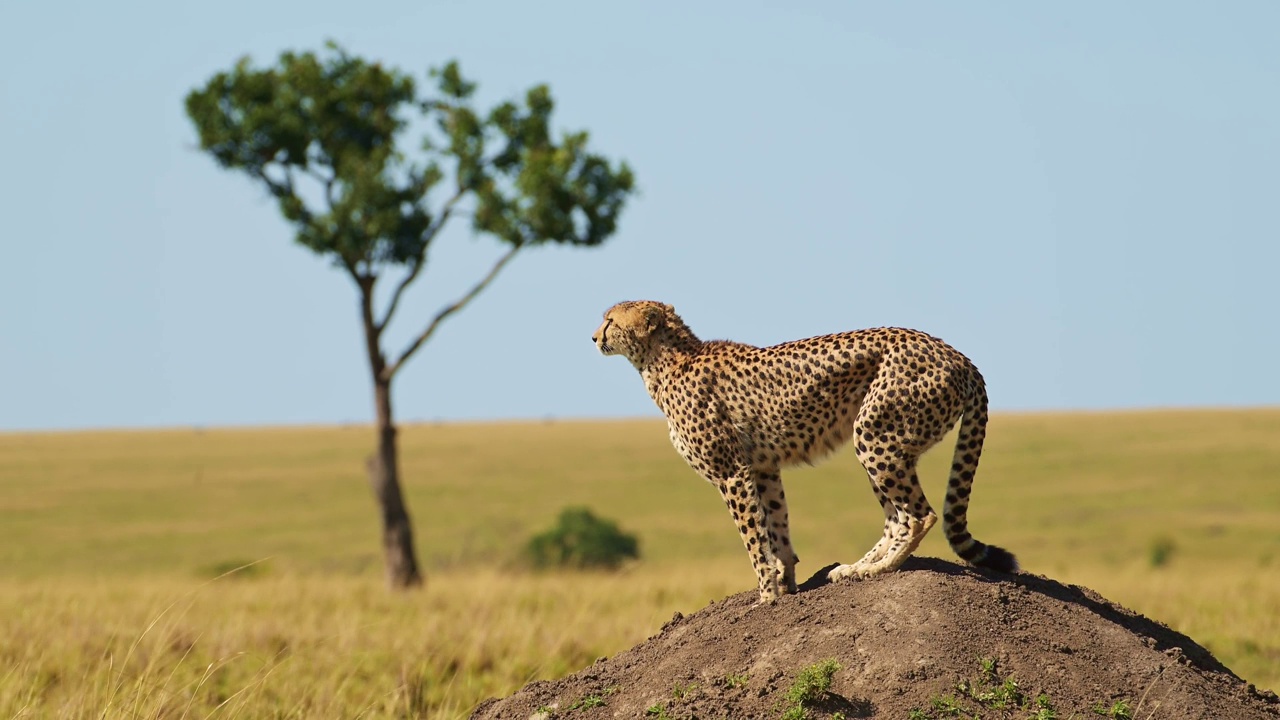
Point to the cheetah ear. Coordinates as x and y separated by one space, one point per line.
655 317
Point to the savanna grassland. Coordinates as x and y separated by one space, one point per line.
120 594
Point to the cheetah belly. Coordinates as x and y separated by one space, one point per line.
808 429
808 442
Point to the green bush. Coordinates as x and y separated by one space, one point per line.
1161 551
581 540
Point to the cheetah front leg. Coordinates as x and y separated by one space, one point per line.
742 497
774 501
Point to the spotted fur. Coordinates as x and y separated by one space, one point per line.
738 414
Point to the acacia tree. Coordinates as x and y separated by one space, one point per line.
326 136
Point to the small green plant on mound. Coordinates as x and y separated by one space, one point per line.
680 692
1120 710
589 701
812 683
581 540
989 692
657 711
991 697
594 700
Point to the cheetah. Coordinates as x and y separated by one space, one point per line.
738 414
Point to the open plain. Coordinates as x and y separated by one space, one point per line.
235 572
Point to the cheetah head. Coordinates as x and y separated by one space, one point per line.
628 329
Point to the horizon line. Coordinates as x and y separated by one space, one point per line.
567 419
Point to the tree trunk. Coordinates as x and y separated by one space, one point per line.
384 476
384 464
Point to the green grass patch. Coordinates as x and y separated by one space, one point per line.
991 696
810 687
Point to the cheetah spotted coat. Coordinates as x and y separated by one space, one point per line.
738 414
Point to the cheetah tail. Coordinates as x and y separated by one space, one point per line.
973 430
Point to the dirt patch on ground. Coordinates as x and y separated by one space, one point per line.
935 632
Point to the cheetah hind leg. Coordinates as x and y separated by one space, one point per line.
908 516
877 552
913 519
896 527
900 539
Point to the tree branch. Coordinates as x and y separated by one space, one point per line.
444 313
372 333
328 191
395 296
318 177
282 189
422 259
277 189
351 268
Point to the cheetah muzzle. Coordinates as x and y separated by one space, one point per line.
738 414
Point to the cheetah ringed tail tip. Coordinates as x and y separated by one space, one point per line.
996 558
973 430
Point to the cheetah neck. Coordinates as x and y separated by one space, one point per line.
668 349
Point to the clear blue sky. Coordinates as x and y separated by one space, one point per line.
1084 198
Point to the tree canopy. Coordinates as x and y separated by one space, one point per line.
337 122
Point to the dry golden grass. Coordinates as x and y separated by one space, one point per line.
314 646
109 543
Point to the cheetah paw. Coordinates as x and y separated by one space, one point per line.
847 572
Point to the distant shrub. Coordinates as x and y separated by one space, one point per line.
1161 552
581 540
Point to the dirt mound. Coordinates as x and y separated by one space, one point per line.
932 635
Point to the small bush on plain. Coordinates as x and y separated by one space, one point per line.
582 540
1161 552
